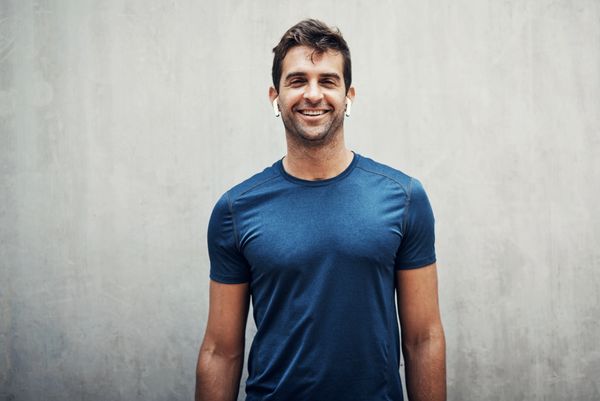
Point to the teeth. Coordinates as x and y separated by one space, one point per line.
312 112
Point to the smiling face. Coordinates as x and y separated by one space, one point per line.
312 95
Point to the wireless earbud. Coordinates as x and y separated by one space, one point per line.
276 108
348 106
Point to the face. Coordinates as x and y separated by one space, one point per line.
312 95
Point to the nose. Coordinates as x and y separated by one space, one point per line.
313 93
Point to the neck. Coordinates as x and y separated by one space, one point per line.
317 163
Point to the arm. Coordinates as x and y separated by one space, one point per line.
423 342
221 356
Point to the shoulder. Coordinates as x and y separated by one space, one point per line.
230 199
407 183
255 182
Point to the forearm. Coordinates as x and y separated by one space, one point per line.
425 368
218 376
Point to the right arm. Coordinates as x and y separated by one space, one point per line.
221 356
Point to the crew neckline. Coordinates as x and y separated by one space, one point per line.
318 183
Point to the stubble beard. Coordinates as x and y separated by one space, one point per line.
327 134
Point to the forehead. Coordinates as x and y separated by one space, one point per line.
305 59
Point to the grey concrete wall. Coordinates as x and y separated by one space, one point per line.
122 122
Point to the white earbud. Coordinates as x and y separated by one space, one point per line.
348 106
276 108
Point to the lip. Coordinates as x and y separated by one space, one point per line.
312 117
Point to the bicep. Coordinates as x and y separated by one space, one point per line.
418 307
227 315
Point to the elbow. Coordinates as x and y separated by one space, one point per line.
429 346
219 369
222 352
430 337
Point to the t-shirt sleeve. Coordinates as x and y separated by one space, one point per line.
227 263
417 247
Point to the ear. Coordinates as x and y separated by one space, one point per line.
273 99
351 93
272 94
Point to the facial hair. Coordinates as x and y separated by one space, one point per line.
326 135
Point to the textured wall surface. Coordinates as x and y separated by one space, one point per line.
121 123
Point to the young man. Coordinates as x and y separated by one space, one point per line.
322 241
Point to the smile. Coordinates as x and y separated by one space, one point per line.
312 112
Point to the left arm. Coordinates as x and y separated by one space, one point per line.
423 342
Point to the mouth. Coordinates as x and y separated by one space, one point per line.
313 112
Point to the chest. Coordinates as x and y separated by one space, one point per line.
303 231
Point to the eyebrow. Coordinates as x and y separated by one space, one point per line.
302 74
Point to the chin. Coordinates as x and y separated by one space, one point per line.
315 139
310 135
313 133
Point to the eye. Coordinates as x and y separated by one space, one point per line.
328 82
296 82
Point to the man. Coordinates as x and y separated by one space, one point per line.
321 242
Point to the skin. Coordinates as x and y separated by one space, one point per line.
315 145
423 341
221 356
316 150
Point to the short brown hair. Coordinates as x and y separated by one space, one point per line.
316 35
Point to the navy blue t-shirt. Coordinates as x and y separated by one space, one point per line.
320 258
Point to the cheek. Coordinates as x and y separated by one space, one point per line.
336 99
288 101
